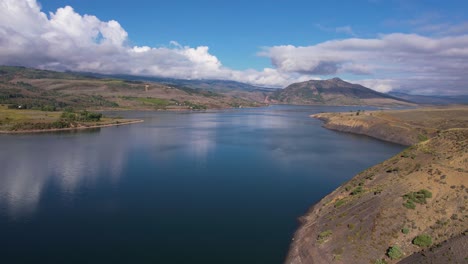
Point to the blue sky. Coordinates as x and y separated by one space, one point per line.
236 30
403 45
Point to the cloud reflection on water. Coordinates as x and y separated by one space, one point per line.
34 162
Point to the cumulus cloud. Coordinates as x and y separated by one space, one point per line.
415 63
66 40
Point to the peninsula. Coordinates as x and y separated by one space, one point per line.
410 208
15 121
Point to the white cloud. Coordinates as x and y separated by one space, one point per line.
380 85
415 63
66 40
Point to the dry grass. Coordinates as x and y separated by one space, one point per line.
378 215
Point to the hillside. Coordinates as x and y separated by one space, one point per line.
333 92
232 88
433 99
39 89
405 127
407 204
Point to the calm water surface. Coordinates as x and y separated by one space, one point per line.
213 187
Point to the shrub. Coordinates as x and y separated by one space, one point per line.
380 261
426 193
339 203
357 190
416 197
409 204
405 230
422 137
83 116
394 252
324 235
423 240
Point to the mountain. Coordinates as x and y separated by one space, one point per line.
332 92
235 89
40 89
431 100
206 84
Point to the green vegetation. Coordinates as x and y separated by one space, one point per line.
416 197
194 106
394 252
422 137
409 204
380 261
40 126
83 116
405 230
153 101
423 240
339 203
357 190
323 236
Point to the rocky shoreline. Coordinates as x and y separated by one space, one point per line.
367 217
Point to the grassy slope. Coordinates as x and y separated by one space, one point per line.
405 127
37 88
366 216
14 120
332 92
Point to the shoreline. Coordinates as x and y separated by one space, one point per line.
6 132
364 217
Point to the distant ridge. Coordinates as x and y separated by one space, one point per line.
206 84
432 99
333 92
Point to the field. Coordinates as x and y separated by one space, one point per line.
17 120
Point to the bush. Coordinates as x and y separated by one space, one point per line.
339 203
409 204
416 197
394 252
83 116
380 261
357 190
422 137
423 240
405 230
324 235
48 108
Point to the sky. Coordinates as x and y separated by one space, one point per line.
412 46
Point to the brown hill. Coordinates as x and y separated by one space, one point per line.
385 210
332 92
39 89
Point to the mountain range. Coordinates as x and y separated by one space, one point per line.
20 85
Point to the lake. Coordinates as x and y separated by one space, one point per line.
190 187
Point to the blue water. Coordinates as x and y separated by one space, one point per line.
200 187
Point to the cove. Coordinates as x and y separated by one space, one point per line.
190 187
